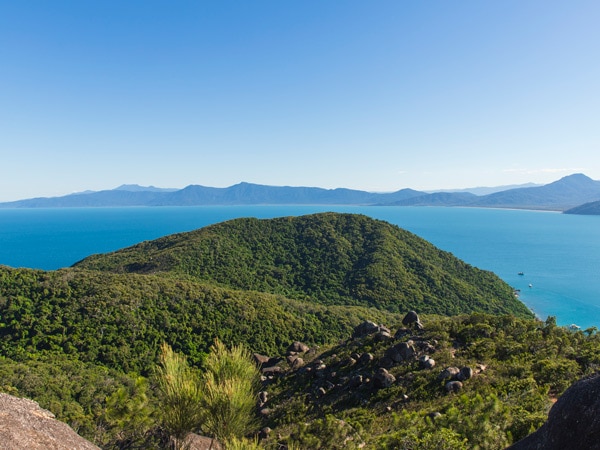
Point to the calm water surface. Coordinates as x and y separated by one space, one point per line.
558 254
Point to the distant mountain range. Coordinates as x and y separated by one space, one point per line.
564 194
485 190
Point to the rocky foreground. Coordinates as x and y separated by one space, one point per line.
24 425
332 378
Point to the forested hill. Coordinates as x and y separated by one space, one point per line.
327 258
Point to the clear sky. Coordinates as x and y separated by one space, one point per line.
371 95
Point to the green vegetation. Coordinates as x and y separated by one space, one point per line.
520 366
120 320
136 348
327 258
230 385
180 395
220 402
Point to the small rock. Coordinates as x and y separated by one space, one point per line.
297 363
355 381
428 348
265 412
429 364
275 370
260 359
400 352
349 362
263 397
465 374
367 328
264 433
453 386
382 335
365 358
364 329
402 332
321 392
426 362
298 347
434 415
448 373
383 378
320 371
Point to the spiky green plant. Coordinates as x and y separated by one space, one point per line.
242 444
229 392
180 394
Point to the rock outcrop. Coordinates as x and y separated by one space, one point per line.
573 421
411 319
23 424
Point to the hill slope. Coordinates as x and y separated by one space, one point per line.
119 320
326 258
590 209
565 193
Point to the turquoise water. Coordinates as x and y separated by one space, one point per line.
559 254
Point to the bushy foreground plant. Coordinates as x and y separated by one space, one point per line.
180 394
219 403
230 383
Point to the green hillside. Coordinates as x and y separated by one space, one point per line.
327 258
119 320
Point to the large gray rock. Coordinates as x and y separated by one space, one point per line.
383 378
573 422
400 352
466 373
196 442
426 362
453 386
24 425
448 373
364 329
367 328
411 319
298 347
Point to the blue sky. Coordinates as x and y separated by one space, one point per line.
377 95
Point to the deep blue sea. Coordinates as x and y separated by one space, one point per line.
558 254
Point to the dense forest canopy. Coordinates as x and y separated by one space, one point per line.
328 258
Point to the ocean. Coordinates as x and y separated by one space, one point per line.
553 259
